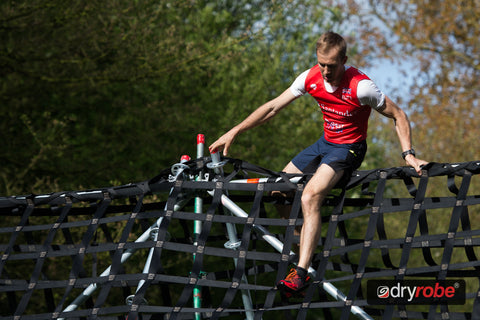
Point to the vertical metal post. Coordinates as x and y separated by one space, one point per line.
197 227
233 242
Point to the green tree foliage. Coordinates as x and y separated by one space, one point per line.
101 91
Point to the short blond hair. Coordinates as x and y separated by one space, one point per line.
330 40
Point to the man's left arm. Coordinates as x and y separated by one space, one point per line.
402 126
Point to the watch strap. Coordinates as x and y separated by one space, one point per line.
406 153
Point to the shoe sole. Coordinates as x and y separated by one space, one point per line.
289 292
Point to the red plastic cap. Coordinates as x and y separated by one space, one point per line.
200 138
185 157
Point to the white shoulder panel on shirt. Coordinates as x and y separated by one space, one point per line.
369 94
298 86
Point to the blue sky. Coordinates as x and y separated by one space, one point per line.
389 77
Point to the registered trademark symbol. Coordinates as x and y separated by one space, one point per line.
456 285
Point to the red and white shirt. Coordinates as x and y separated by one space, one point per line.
345 108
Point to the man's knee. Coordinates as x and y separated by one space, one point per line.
311 200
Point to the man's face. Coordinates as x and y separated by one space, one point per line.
332 66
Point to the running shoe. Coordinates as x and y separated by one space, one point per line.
293 284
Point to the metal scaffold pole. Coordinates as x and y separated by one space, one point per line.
197 226
233 242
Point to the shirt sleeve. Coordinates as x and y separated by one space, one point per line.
369 94
298 86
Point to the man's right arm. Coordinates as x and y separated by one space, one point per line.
261 115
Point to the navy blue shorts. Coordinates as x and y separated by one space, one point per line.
347 157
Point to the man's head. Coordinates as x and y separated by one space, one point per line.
331 56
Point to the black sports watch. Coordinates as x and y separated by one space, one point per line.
406 153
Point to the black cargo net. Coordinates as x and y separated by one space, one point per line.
203 240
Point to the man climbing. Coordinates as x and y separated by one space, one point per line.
346 97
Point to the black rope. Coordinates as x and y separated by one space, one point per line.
41 260
415 214
376 211
344 261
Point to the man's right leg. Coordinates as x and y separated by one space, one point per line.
315 191
284 211
319 186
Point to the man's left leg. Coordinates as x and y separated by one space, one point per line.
321 183
284 209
